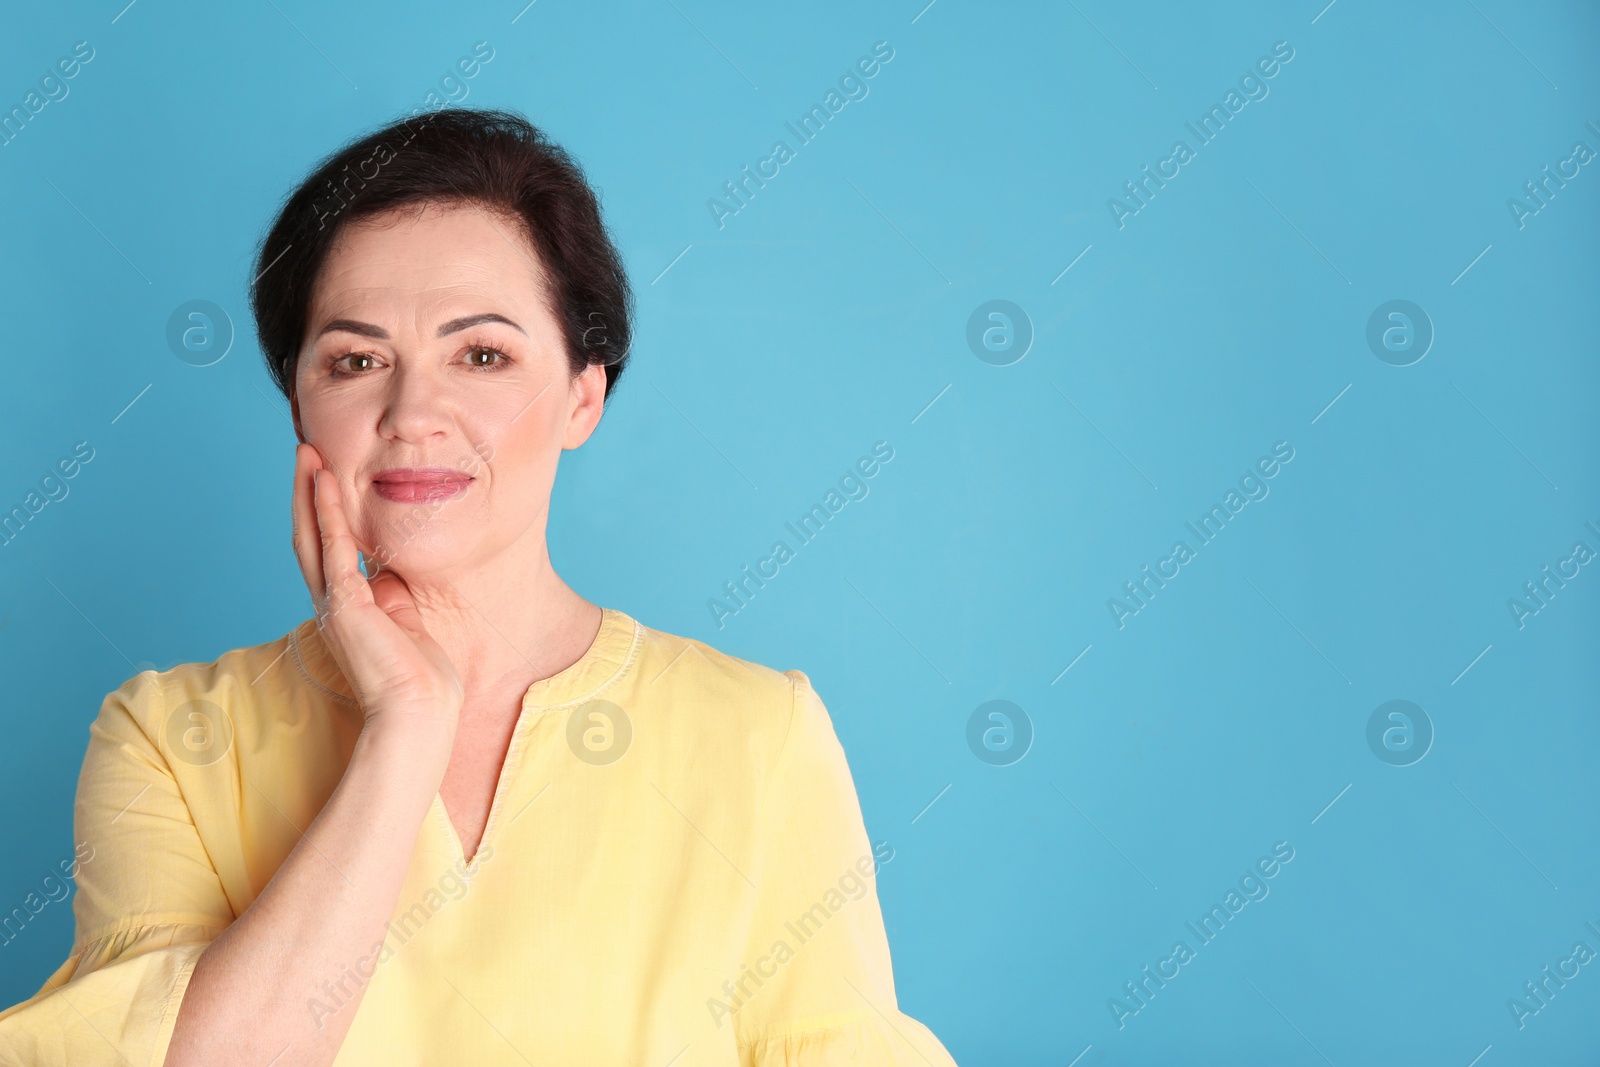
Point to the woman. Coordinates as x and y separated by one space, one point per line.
463 815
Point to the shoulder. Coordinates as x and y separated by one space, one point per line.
222 697
720 690
704 664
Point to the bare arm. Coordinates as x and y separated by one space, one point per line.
323 914
258 987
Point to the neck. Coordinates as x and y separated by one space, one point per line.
505 625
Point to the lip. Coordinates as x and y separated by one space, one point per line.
419 485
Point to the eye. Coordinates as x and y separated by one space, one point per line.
485 357
360 363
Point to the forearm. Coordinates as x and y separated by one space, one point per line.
323 912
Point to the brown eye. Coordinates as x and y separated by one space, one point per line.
494 357
341 367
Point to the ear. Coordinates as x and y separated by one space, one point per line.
294 414
586 397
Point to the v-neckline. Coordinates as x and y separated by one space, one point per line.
506 771
612 650
457 849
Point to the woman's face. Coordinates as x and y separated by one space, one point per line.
434 382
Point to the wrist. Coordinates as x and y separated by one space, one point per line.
413 740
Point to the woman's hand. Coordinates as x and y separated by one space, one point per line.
399 673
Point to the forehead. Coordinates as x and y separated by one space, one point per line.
423 260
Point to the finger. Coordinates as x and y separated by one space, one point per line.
390 592
306 537
341 565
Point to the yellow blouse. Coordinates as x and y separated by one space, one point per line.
674 871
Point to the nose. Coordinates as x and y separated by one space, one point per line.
415 408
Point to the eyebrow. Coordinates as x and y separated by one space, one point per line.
366 329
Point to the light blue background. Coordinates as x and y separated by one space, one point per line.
827 315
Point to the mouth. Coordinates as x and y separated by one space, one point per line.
419 485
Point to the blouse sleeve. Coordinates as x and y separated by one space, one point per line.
148 903
817 985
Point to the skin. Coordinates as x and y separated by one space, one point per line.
464 613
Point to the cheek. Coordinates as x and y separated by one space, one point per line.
335 430
515 439
343 423
523 470
334 426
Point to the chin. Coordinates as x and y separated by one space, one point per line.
419 566
415 553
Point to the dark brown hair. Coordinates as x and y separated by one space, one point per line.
453 156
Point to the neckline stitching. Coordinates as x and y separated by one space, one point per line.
636 640
300 665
